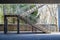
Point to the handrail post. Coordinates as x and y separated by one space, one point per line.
18 24
32 28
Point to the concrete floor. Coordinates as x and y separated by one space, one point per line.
29 37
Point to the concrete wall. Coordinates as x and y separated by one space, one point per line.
59 16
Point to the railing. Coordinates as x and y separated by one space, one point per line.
26 28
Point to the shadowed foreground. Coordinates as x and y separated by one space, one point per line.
29 37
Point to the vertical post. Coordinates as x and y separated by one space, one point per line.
32 28
5 24
18 24
35 30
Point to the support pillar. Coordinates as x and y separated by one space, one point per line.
5 24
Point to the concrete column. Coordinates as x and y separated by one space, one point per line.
59 17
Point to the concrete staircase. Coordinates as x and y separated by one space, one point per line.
44 27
